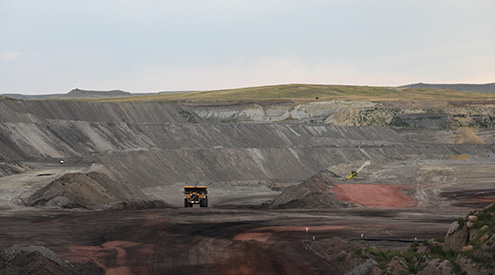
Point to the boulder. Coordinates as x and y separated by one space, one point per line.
453 227
472 218
456 237
469 224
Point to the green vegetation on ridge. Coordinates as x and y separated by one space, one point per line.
310 92
6 98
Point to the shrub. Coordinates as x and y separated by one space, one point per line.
398 122
357 251
436 251
7 98
440 239
188 116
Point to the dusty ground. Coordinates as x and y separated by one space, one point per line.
213 240
235 235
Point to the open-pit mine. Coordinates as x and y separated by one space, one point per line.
97 186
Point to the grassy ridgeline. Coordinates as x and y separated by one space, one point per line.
309 92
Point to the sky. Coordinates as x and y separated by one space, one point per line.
54 46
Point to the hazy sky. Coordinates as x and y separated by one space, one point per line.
53 46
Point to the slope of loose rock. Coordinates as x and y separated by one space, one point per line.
91 190
316 192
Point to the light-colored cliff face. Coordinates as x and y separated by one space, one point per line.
257 112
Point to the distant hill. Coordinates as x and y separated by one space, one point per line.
86 94
475 88
78 93
73 94
310 92
29 97
288 92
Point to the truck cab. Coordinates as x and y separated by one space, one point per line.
195 195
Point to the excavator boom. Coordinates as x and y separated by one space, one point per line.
353 174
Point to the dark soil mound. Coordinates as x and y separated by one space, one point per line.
316 192
91 190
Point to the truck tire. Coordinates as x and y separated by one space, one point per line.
203 202
186 203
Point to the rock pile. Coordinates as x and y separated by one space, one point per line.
91 190
315 192
327 190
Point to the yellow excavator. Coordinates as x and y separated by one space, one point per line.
353 174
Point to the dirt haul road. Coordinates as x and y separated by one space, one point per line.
212 240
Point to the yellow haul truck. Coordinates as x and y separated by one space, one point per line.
195 195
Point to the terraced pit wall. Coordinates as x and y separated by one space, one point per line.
153 144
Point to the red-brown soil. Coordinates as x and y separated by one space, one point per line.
373 195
